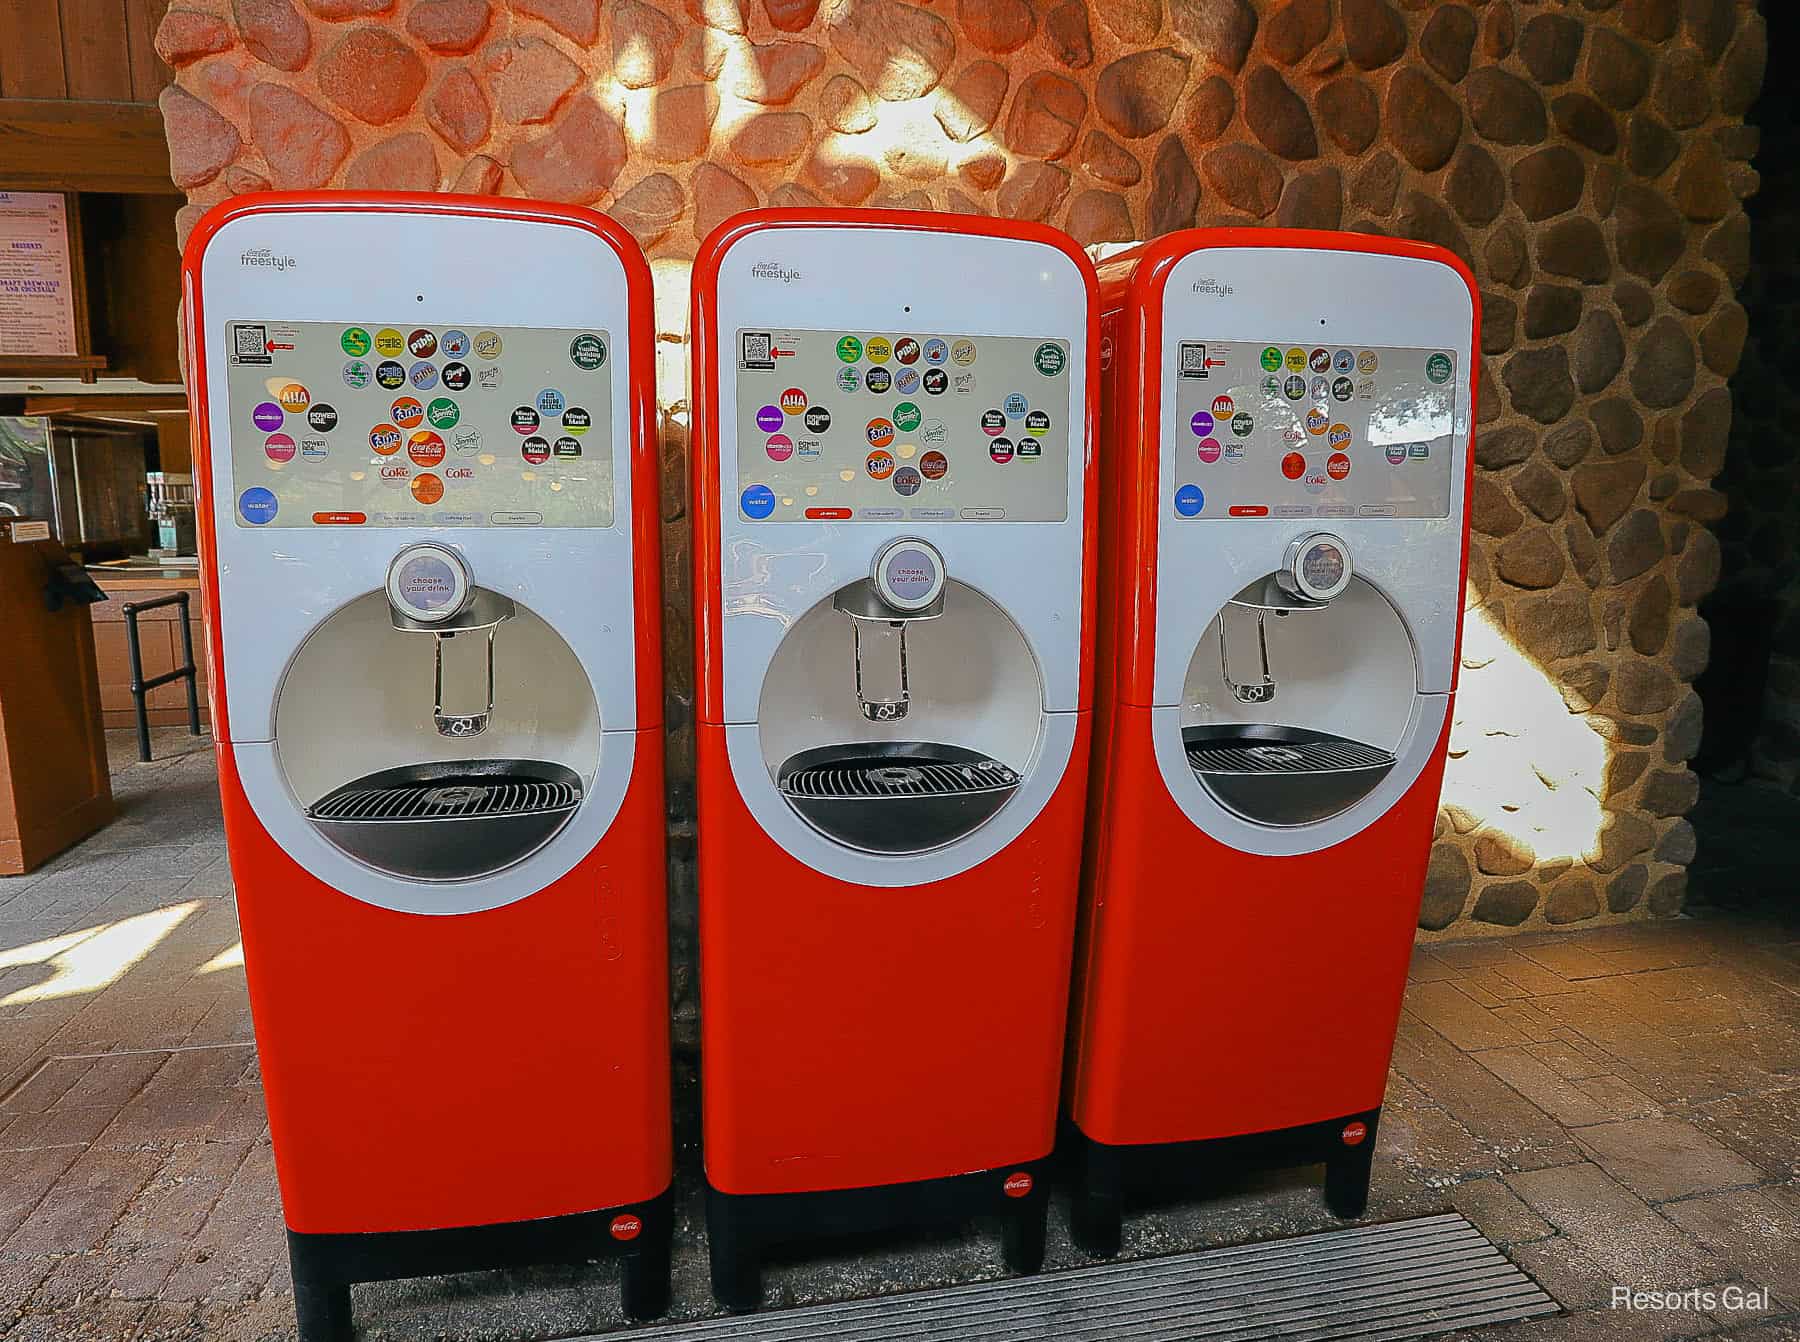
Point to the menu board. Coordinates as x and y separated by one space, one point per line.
1278 429
372 424
37 291
864 426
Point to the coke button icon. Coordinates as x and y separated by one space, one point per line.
1293 465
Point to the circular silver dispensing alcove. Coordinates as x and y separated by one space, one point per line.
361 738
897 749
1299 692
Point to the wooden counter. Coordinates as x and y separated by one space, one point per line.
159 635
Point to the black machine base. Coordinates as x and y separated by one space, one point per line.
325 1266
740 1225
1104 1174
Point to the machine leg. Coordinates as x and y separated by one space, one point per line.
322 1309
1022 1234
736 1268
1347 1181
644 1284
1097 1213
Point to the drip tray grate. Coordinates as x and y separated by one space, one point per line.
895 796
1404 1279
457 800
1299 757
898 778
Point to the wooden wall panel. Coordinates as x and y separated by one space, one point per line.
149 76
96 51
31 49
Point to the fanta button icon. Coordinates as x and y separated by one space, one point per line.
1017 1184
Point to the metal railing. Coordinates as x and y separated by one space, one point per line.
140 688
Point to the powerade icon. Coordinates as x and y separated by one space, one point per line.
1242 424
1438 368
1037 421
423 375
1001 450
818 419
524 419
907 381
550 401
322 417
907 481
587 352
1015 405
267 416
878 380
1049 359
849 348
936 351
535 449
390 374
769 418
454 344
456 376
757 502
936 382
1201 423
357 374
1189 500
257 506
442 413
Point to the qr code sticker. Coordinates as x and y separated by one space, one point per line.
250 344
758 350
1193 359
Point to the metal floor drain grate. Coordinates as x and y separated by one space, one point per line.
1403 1279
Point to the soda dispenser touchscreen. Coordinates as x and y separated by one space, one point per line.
842 425
352 424
1276 429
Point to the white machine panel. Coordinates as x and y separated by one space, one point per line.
1372 449
314 276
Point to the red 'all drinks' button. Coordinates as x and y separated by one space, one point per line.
828 514
1249 510
339 519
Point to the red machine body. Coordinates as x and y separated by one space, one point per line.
481 1088
1221 994
860 1039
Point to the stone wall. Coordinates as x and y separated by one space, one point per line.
1588 159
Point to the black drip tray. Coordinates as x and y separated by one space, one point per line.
1284 775
895 796
449 820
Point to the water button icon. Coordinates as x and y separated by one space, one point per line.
1189 500
758 501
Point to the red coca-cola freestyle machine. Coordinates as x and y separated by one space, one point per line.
1286 464
892 582
428 524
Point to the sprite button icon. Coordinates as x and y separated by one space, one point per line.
849 348
442 413
906 417
1049 359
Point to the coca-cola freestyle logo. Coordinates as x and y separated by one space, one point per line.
1206 284
774 270
264 258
